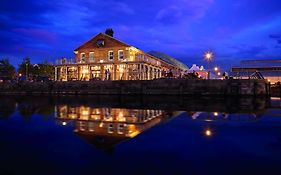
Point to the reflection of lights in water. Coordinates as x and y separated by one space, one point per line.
208 132
64 123
85 112
216 114
121 117
101 125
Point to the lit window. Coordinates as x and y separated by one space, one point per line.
83 57
91 127
91 56
110 128
110 55
120 129
82 126
121 54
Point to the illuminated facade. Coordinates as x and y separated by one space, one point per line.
106 58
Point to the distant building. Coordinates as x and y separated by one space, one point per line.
270 69
200 70
106 58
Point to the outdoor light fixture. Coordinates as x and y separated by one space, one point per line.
208 56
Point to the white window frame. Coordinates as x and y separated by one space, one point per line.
82 57
110 128
119 55
111 51
91 59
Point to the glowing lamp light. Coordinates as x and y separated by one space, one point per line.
208 133
216 68
64 123
101 61
101 125
209 56
216 114
219 73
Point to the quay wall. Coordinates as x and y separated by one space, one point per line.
230 87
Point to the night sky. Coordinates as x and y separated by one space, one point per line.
185 29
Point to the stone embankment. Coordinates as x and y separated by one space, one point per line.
153 87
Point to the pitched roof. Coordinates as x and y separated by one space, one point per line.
258 64
168 59
110 42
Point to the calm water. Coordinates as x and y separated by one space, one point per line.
139 135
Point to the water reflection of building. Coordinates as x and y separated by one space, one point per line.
110 125
216 116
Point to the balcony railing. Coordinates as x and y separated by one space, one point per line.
138 58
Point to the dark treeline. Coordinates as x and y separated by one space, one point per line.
25 69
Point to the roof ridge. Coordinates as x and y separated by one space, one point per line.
105 36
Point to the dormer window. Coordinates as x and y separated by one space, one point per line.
110 55
120 54
100 43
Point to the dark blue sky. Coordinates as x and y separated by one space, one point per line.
184 29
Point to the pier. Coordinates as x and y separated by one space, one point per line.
231 87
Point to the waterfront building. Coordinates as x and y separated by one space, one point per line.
270 69
105 58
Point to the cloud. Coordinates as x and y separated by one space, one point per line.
274 36
42 35
183 11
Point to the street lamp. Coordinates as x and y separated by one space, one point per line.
208 56
26 70
216 69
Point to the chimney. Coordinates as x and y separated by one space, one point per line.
109 31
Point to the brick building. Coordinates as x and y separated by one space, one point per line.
106 58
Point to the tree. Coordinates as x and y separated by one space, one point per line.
45 69
6 69
26 68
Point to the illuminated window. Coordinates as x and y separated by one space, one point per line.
91 126
110 128
110 55
120 129
83 57
121 54
82 126
91 56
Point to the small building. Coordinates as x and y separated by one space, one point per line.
105 58
270 69
200 70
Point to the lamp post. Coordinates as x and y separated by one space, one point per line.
208 56
26 70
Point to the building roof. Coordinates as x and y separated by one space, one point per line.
258 64
92 42
168 59
264 73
